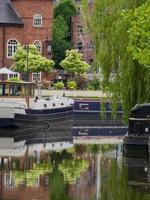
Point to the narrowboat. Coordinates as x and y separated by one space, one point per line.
21 107
94 112
139 129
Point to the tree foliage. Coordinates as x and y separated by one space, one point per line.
63 12
31 61
73 63
113 38
139 33
60 44
66 9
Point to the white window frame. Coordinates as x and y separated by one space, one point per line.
37 20
12 46
38 45
36 76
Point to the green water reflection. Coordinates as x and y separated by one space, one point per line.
82 172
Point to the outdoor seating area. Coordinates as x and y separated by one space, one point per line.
7 74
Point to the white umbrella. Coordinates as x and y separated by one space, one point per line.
5 70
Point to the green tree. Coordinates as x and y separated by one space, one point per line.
139 33
111 37
59 44
63 12
66 9
31 61
74 64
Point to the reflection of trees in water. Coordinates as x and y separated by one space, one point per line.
30 177
58 189
93 148
66 170
72 169
115 183
63 169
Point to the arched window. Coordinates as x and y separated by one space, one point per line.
11 47
38 45
37 20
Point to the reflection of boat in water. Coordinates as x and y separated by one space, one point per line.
19 107
138 171
139 129
99 130
10 148
16 143
25 161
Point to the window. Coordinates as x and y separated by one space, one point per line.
79 28
37 20
38 45
11 48
91 45
79 45
36 77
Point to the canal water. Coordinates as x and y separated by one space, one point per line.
37 165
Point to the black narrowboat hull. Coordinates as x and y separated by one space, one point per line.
6 122
56 119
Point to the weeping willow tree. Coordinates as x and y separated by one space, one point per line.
111 25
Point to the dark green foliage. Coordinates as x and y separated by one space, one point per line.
66 9
60 43
63 12
94 84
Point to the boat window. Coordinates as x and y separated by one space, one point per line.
84 106
62 104
47 98
53 104
45 105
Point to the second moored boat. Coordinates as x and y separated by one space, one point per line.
20 108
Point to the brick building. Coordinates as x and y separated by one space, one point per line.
82 39
25 22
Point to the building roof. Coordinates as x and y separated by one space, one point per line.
8 14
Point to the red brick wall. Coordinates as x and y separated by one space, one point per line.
28 34
77 36
27 9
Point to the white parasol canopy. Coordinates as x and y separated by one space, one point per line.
5 70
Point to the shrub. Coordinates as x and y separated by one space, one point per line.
58 85
72 85
94 84
15 79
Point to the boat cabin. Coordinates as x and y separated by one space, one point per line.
139 120
16 89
